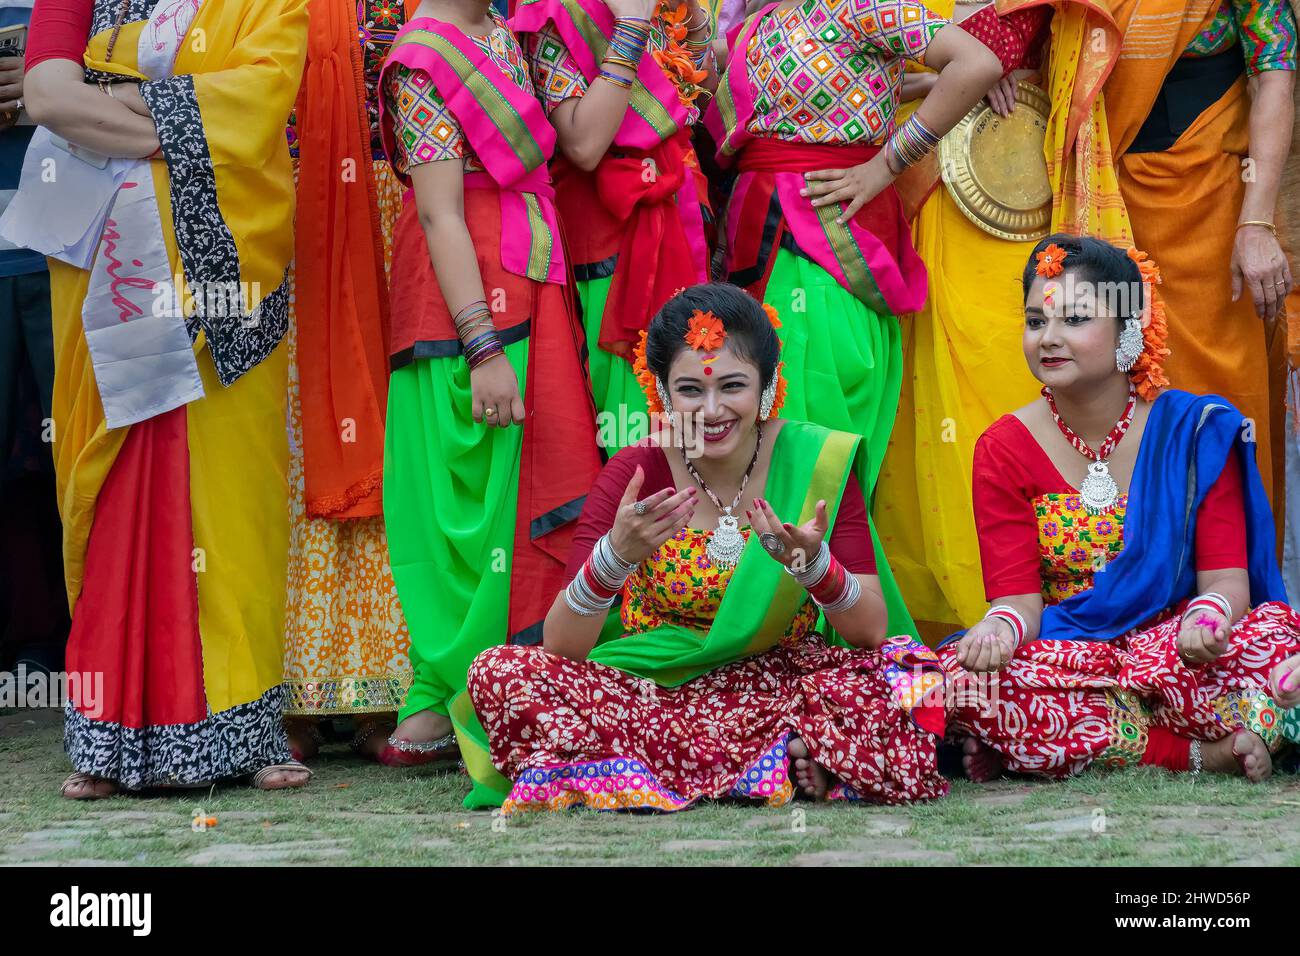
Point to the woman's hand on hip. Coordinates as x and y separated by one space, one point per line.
855 186
495 391
641 525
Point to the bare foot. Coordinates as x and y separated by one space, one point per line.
980 761
84 786
304 737
810 776
1243 753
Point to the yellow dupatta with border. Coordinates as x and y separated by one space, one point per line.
237 52
1129 47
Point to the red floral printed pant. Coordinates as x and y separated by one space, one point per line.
1058 706
568 732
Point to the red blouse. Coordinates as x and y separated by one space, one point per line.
850 537
58 31
1016 38
1011 470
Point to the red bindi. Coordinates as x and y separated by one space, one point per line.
707 370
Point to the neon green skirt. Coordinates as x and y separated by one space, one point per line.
844 370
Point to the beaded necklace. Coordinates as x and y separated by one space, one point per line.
1098 489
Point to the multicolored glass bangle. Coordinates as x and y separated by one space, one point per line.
911 142
629 39
484 347
622 82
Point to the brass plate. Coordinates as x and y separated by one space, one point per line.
994 167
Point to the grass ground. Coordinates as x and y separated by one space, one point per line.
358 813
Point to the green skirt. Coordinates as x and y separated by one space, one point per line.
844 370
622 418
450 490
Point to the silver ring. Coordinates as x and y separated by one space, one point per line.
490 412
771 543
19 103
640 507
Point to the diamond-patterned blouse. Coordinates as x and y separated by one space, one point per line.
557 76
830 71
426 130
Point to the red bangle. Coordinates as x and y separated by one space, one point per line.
593 582
831 586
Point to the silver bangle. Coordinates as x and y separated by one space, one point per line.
608 565
1194 759
813 573
850 596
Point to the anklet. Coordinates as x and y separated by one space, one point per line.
427 746
1194 760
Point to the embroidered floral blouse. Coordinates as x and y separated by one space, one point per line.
426 130
678 584
831 71
1266 30
1036 536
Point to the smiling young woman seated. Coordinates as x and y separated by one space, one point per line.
1127 547
711 679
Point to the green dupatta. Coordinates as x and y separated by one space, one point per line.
809 463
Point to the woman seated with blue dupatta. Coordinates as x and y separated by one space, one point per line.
1128 552
725 539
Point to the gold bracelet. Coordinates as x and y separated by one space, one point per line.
1259 222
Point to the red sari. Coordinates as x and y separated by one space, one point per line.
1060 706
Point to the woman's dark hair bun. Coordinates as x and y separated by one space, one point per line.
749 331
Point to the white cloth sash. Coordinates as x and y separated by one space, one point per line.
102 214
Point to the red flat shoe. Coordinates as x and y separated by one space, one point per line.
407 753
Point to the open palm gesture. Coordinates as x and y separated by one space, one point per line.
795 547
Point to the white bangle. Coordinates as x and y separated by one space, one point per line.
1210 597
1013 617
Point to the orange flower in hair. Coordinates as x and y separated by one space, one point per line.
1051 261
705 332
772 315
644 377
1148 372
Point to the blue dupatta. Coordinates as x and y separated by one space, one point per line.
1185 447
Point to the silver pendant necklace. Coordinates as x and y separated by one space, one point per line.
726 543
1098 491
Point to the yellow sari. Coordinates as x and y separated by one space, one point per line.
962 370
192 683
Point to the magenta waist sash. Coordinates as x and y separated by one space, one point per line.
871 255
